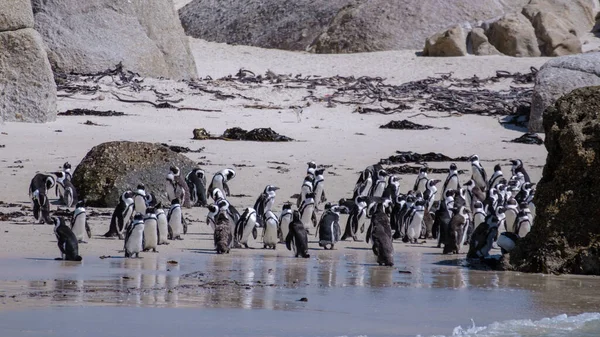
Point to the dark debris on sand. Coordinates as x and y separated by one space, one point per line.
403 157
528 138
88 112
259 135
10 215
405 125
409 169
182 149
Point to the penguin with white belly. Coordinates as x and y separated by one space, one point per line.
297 238
496 178
478 215
307 187
121 216
246 226
264 203
41 207
134 237
319 188
357 219
451 182
517 167
379 185
150 231
421 180
162 224
41 182
415 222
220 180
270 231
79 224
285 218
307 212
457 231
139 200
196 181
478 173
329 226
211 216
175 220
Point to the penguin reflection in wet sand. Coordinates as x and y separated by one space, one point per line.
134 237
79 223
223 238
297 238
121 216
381 235
67 241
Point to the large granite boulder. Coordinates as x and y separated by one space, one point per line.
95 35
559 76
514 35
27 89
109 169
559 24
334 26
566 235
451 42
479 43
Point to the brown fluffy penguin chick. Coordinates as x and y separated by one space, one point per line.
223 236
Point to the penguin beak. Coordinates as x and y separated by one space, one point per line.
275 188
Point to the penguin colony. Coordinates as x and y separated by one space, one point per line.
481 213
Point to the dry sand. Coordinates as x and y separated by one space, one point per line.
331 136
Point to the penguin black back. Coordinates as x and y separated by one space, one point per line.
297 237
67 241
382 237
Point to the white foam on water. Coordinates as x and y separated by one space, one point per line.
584 325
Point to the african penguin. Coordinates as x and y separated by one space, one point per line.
150 230
220 179
381 235
67 241
162 224
511 212
79 224
329 227
430 192
363 186
196 180
41 182
415 222
222 236
270 231
357 219
307 211
134 237
517 167
175 220
307 187
421 180
483 238
246 226
264 203
478 173
523 224
496 178
285 218
139 199
319 188
443 216
457 231
451 182
297 238
182 190
41 206
311 167
380 184
211 216
392 189
121 216
478 214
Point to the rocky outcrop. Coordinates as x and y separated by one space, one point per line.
452 42
334 26
94 35
559 24
27 89
560 76
514 35
111 168
480 45
566 234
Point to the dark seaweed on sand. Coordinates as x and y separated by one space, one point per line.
259 135
405 125
88 112
409 169
528 138
403 157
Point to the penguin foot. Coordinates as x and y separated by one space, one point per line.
355 238
58 259
155 251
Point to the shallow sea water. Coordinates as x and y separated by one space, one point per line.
259 294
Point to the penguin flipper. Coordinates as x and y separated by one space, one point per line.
369 232
88 230
169 232
254 233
